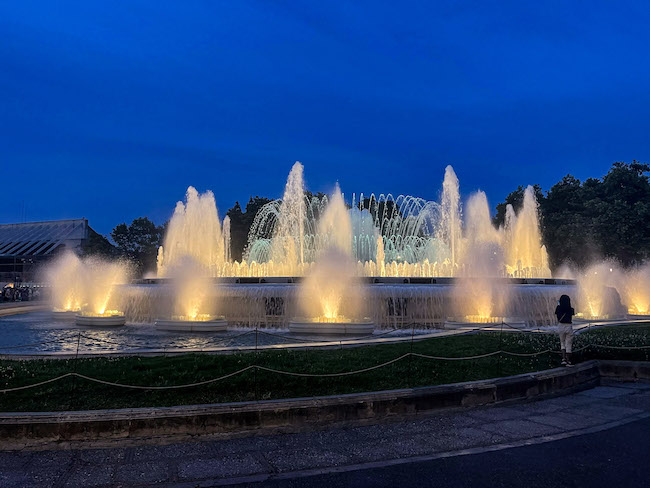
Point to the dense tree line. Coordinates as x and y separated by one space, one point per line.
580 220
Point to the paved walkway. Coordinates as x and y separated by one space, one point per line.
211 462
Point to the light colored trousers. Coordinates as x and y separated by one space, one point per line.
565 331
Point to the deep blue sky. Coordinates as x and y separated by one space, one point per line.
109 110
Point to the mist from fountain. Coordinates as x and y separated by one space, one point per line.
65 273
193 291
85 284
636 290
100 278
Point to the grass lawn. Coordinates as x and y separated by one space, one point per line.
75 393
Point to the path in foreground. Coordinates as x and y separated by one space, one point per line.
422 451
615 457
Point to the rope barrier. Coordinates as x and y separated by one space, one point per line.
26 387
333 375
270 370
605 346
305 375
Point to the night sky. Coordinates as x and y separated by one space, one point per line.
109 110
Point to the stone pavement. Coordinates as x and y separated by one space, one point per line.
211 462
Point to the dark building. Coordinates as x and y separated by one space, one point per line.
23 247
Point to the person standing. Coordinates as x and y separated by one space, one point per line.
564 313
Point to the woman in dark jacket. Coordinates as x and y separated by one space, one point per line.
564 314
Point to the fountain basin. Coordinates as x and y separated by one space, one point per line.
64 314
214 324
301 325
107 320
487 322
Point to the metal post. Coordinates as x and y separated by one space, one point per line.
411 356
74 378
255 370
500 348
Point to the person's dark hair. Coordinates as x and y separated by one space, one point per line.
565 301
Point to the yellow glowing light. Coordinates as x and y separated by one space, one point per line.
68 309
103 313
483 319
198 317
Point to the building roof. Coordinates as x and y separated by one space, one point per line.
41 238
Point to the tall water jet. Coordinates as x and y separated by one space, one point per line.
226 238
335 226
526 257
478 296
194 230
331 297
288 244
450 230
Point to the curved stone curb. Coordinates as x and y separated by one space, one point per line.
303 413
17 309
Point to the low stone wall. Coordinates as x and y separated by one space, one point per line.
30 429
626 370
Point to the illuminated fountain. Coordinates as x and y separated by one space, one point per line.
65 273
82 289
331 297
525 256
194 302
603 287
99 280
419 238
636 291
479 296
410 260
378 261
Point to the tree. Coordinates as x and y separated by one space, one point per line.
623 213
139 242
99 245
567 233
